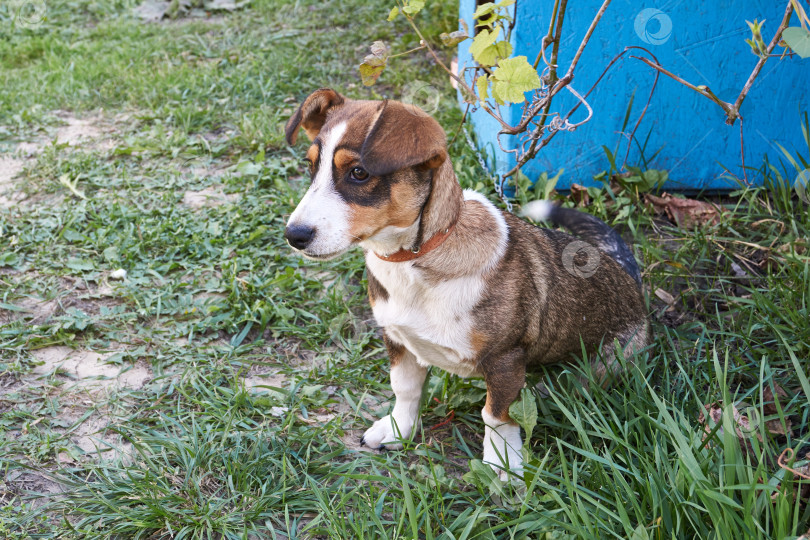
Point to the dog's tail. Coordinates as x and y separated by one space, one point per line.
590 229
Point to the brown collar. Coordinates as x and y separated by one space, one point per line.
408 255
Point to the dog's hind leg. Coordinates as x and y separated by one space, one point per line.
407 379
502 442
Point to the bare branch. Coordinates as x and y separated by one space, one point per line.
570 74
702 90
735 112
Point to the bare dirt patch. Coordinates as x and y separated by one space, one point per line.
88 370
73 292
38 309
204 169
258 383
210 196
22 481
94 132
90 379
10 168
94 439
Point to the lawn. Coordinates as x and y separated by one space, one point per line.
218 386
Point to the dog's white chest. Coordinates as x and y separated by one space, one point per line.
433 321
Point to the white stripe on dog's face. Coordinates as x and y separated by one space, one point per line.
322 208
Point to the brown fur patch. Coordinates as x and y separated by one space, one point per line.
312 113
395 350
445 202
475 235
403 136
312 158
558 312
375 289
435 161
505 375
312 153
400 210
477 340
502 415
344 159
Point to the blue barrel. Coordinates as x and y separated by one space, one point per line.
682 131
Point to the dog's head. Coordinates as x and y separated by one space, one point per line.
372 165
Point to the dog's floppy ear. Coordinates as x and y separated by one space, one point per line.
402 136
311 115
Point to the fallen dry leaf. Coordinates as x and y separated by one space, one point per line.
579 194
715 413
745 427
796 247
769 408
768 397
664 296
686 213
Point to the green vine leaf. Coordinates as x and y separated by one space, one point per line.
413 7
487 15
512 79
482 42
756 43
481 83
393 14
491 55
798 39
524 412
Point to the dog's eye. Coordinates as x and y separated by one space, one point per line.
358 174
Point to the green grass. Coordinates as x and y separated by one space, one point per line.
213 295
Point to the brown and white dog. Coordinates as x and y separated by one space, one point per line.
455 282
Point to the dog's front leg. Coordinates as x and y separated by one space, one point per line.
502 443
407 379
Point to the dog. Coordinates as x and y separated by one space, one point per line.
453 281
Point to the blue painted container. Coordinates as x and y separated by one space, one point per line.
704 43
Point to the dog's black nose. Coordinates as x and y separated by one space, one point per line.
299 236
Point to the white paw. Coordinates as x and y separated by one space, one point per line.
507 464
502 449
386 433
507 476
